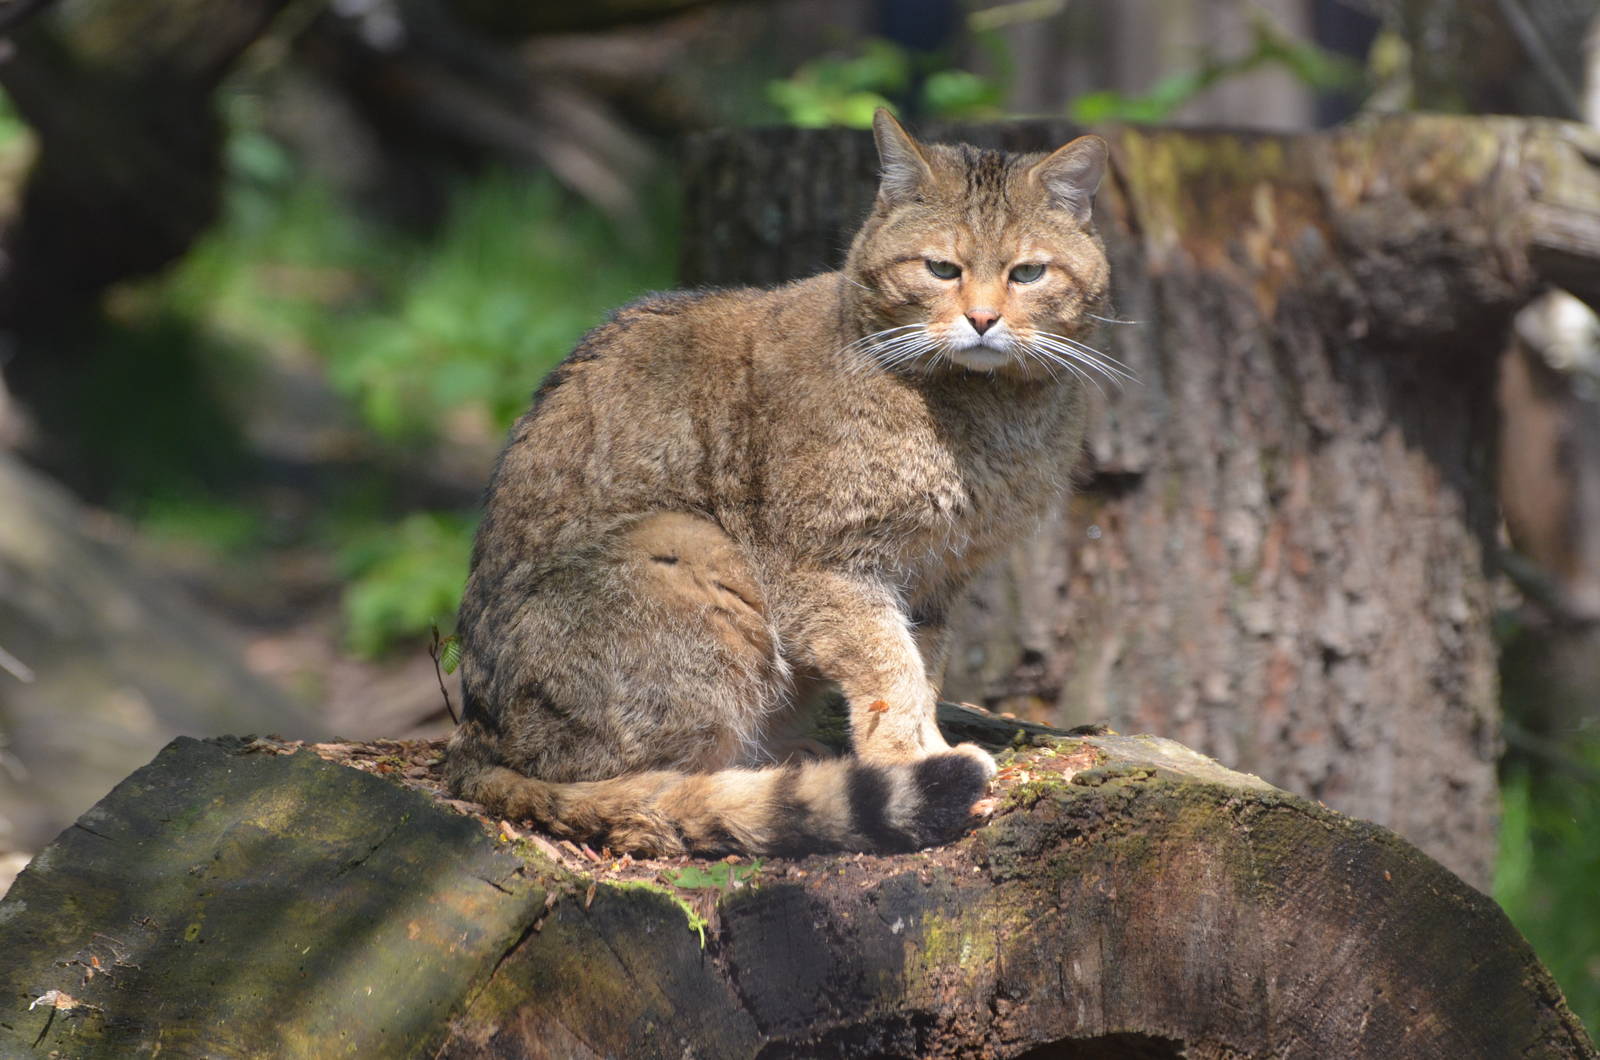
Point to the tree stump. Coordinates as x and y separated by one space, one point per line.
1128 898
1281 549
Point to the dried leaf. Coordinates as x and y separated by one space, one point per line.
588 896
878 706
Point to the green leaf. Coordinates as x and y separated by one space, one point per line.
717 876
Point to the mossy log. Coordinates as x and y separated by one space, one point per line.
1127 898
1282 550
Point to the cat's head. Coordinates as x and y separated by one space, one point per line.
978 260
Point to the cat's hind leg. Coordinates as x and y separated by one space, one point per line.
647 648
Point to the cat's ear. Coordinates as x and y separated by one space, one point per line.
1072 174
904 167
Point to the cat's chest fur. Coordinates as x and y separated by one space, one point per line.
921 477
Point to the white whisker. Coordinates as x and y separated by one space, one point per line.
1105 320
1066 360
867 351
1085 366
1111 368
890 353
1088 349
1034 355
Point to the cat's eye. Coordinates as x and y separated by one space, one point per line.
945 270
1026 273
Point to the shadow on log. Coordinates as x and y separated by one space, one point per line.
1128 898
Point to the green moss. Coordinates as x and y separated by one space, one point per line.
967 941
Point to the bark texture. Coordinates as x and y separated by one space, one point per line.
1129 898
1280 550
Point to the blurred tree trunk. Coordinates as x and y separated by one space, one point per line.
1550 491
1280 551
119 97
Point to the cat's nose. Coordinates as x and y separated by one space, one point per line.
982 319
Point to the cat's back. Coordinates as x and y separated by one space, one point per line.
660 405
663 349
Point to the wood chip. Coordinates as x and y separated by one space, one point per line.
545 847
59 1000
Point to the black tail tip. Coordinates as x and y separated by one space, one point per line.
948 784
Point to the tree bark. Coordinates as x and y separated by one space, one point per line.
1129 898
1280 551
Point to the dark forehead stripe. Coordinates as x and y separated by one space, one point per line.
987 206
986 172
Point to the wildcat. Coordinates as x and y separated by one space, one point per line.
723 500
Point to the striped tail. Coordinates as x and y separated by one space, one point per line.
801 808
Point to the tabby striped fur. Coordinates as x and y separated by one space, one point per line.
722 502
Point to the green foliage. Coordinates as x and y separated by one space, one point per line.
429 337
960 94
842 91
1546 877
1308 63
13 130
449 652
416 330
147 412
227 527
405 579
473 320
845 90
717 876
